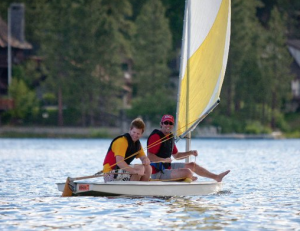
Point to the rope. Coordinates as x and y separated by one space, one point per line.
161 140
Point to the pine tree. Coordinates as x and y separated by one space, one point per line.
152 44
84 43
243 51
276 62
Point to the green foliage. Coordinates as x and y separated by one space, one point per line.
293 119
31 73
255 127
236 125
49 99
175 14
100 133
275 63
84 44
242 70
227 124
281 123
25 102
258 77
158 104
152 44
293 134
292 9
47 116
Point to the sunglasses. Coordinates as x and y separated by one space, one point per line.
168 123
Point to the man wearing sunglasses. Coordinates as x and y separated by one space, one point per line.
161 146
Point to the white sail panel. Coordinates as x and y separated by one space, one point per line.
198 32
204 58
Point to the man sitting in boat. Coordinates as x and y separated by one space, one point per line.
122 151
161 145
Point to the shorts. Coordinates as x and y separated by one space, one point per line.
167 172
117 175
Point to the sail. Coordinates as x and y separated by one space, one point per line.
204 53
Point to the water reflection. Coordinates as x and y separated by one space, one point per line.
194 214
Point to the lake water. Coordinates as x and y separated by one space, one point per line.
262 192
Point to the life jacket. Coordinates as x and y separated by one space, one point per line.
166 149
133 147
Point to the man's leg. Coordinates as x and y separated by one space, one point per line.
137 177
181 174
173 174
147 173
204 172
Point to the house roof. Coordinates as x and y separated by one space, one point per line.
15 43
294 43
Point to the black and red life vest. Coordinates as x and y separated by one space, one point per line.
166 148
133 147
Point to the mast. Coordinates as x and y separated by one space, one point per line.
185 38
188 136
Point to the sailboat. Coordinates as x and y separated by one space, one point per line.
204 54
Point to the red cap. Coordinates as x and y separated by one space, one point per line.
167 118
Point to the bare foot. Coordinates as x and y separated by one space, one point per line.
194 178
221 175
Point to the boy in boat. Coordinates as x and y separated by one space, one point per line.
161 145
122 151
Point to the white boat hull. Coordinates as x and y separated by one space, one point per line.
138 188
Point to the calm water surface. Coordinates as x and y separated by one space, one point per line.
262 192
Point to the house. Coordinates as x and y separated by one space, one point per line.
18 46
294 48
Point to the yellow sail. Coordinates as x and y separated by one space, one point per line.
204 54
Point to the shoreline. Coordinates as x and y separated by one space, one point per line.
109 132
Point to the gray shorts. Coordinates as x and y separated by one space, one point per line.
167 172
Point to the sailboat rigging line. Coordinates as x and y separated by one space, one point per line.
163 139
72 179
150 146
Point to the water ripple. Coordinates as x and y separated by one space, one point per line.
260 193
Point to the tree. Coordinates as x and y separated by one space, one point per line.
112 46
152 44
244 33
276 62
25 102
84 43
175 14
291 9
